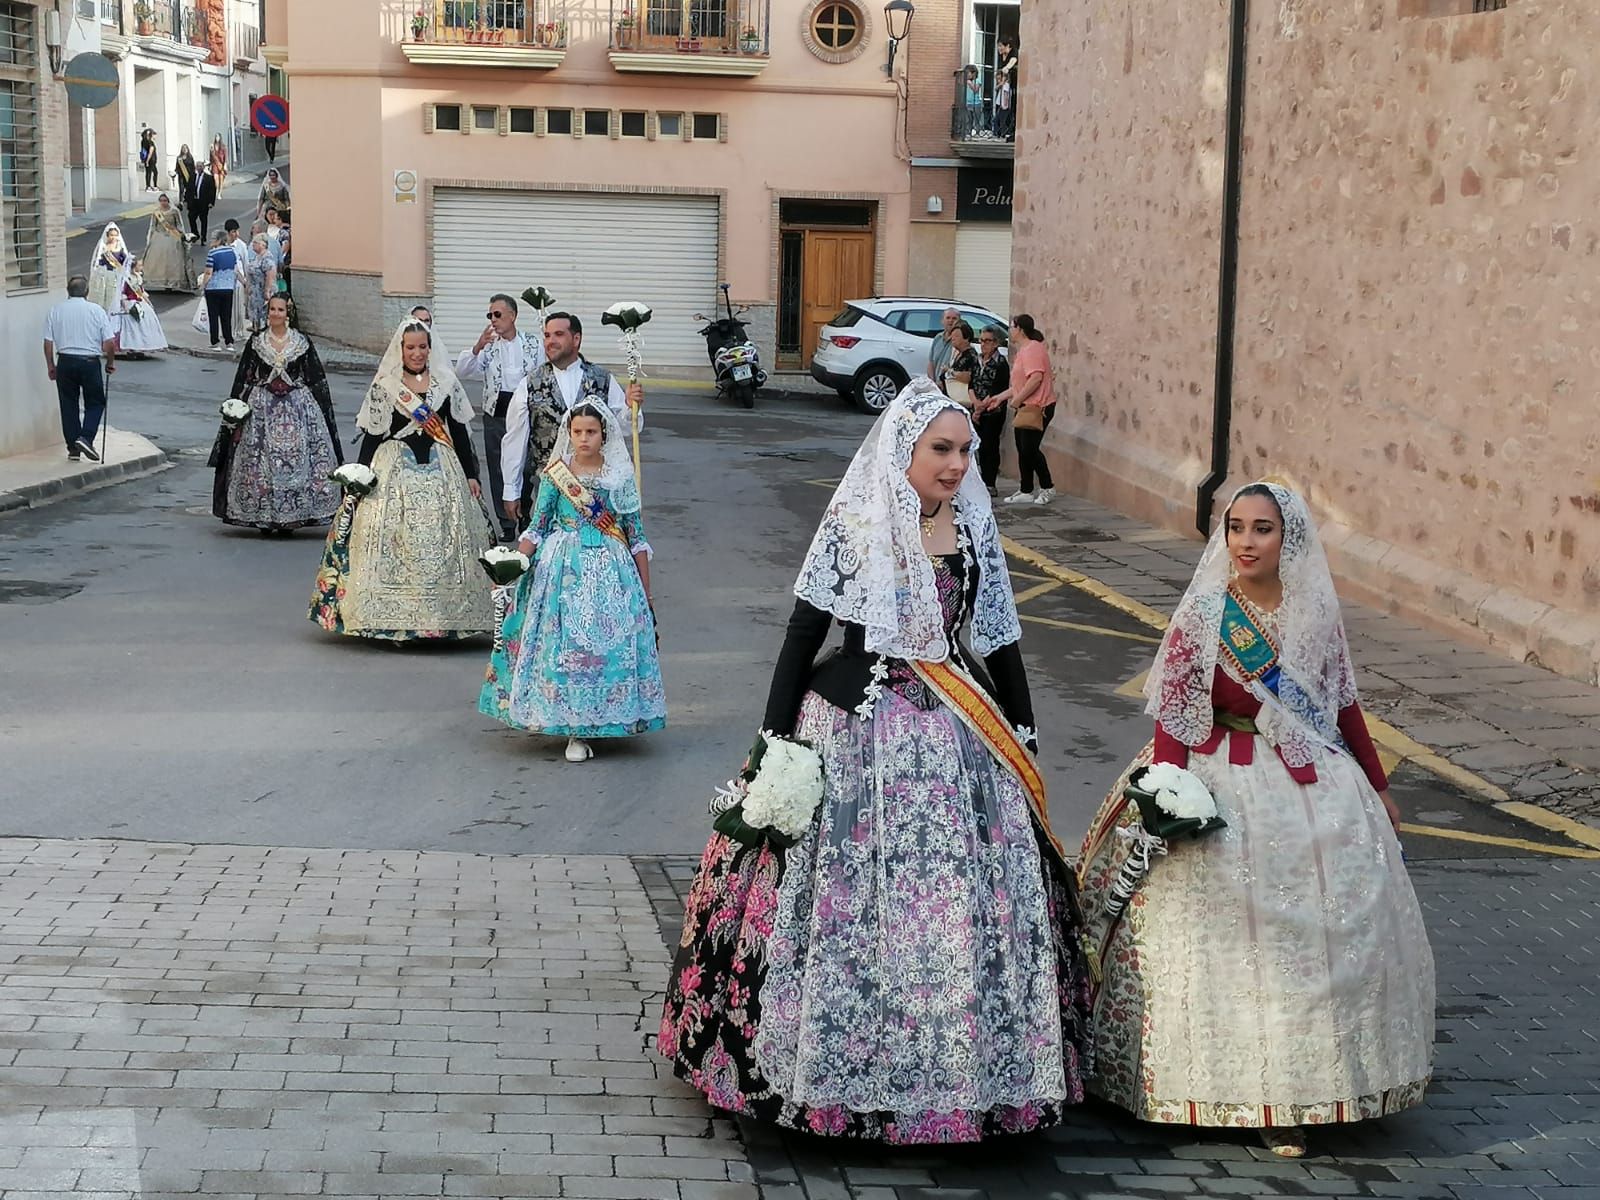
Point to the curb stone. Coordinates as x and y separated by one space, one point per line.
34 495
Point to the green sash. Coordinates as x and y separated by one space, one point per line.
1248 645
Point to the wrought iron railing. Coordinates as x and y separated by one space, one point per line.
175 19
246 43
493 22
979 114
692 26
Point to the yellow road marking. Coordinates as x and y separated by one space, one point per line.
1488 839
1404 748
1082 582
1073 625
1555 822
1134 688
1037 590
133 214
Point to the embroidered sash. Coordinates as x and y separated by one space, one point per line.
424 416
982 715
584 500
1249 646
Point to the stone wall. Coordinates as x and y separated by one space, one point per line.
1416 299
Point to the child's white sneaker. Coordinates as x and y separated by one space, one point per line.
1019 498
1045 496
579 750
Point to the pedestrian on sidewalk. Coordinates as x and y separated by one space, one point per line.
990 378
274 196
909 967
77 336
219 161
503 358
222 265
260 282
1032 400
939 351
149 159
1275 974
401 562
956 382
575 655
185 177
205 198
166 251
271 146
272 467
241 294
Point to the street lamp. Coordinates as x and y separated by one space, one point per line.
897 16
52 37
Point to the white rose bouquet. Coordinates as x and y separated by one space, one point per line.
355 479
235 412
775 797
1173 803
504 565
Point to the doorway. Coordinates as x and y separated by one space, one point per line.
827 252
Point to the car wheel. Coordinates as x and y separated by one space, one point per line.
876 386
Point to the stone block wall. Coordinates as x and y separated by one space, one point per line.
1415 342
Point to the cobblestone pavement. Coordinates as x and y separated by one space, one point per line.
1513 1112
1531 733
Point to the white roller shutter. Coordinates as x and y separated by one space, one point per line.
983 264
587 250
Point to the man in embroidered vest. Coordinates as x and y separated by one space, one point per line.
534 417
503 359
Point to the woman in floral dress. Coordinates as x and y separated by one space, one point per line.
576 654
1275 974
272 469
401 563
909 970
260 282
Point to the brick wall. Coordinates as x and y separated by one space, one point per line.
1415 345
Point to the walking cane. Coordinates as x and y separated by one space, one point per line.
628 316
105 415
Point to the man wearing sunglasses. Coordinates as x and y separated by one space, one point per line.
502 358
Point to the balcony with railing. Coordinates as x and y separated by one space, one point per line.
982 124
691 37
172 28
491 33
244 44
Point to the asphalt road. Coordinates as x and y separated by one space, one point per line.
162 682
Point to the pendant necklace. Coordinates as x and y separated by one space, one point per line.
928 518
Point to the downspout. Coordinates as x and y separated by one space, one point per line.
1228 274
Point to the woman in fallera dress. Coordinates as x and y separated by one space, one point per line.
108 274
910 970
1275 974
141 334
272 469
401 563
576 655
166 255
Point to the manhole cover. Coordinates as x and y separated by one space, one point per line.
35 591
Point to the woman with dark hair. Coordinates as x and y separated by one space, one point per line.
401 563
186 178
1032 399
1276 973
272 465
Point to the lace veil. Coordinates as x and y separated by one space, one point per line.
616 472
1317 679
866 564
122 247
383 398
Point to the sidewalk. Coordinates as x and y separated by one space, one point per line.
1530 737
42 476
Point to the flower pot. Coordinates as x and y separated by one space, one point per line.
752 45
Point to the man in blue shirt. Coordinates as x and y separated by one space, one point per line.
222 264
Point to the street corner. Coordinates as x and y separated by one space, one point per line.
44 476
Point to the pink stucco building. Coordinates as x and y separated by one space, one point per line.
1414 336
600 149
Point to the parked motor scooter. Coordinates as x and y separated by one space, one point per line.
735 361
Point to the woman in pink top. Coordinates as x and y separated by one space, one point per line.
1032 386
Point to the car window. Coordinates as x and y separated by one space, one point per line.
923 322
978 320
847 317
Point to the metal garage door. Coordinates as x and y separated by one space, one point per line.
588 251
983 264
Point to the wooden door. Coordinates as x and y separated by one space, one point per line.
837 268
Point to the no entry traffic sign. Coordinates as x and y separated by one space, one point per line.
269 116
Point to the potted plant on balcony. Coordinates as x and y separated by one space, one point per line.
750 40
419 25
548 34
627 30
144 18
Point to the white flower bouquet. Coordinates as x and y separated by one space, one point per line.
1173 803
235 412
355 478
504 565
775 797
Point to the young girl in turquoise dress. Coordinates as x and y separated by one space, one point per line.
575 655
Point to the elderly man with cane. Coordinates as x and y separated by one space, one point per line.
77 335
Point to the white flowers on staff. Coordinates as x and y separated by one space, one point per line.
1179 793
235 412
504 564
786 790
356 479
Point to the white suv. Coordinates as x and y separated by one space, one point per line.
873 348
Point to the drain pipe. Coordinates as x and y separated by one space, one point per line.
1228 274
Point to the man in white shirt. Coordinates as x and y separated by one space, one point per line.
534 416
77 335
503 359
241 295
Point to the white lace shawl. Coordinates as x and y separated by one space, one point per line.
389 393
866 564
1317 680
616 473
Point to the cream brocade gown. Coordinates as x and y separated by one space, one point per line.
1275 973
